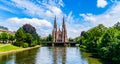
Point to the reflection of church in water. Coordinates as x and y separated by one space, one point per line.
58 35
59 55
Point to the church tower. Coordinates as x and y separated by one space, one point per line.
64 32
55 31
59 36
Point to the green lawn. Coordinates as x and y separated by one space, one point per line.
1 44
8 47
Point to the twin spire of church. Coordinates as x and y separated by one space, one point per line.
59 36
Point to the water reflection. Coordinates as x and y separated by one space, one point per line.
48 55
60 55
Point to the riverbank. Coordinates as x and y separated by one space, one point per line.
19 49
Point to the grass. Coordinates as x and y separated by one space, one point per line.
1 44
8 47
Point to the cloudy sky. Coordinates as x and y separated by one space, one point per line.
80 15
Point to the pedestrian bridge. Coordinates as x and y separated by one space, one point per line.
59 43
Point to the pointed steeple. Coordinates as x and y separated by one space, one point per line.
55 24
63 21
55 30
64 32
63 25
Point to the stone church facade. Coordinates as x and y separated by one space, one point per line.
58 35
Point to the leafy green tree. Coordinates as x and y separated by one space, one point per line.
4 37
91 37
29 29
71 39
20 37
27 34
38 40
49 38
11 38
106 41
117 25
29 39
109 45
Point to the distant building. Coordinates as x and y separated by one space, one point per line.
3 30
58 35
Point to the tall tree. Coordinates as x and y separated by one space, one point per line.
91 37
20 37
49 38
29 29
4 37
117 25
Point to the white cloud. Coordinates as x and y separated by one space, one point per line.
42 26
88 17
74 26
45 9
101 3
34 21
109 18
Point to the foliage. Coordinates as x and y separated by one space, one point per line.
109 46
102 40
71 39
91 37
82 33
6 37
49 38
25 37
25 45
29 29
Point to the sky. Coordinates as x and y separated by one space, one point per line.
80 15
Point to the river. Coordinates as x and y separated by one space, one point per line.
50 55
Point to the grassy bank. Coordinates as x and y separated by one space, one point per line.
9 48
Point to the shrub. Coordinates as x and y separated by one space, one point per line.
25 45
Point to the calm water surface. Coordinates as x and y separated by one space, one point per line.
50 55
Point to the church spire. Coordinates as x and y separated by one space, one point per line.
63 25
63 21
55 24
64 32
55 30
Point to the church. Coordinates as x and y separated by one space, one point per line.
58 35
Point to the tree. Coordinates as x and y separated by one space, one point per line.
117 25
29 29
91 37
4 37
20 37
104 41
50 38
27 36
109 45
71 39
11 38
29 39
82 33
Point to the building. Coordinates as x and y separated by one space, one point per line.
4 30
58 35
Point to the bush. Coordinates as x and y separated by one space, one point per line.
25 45
33 43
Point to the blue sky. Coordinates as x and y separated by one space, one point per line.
80 15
